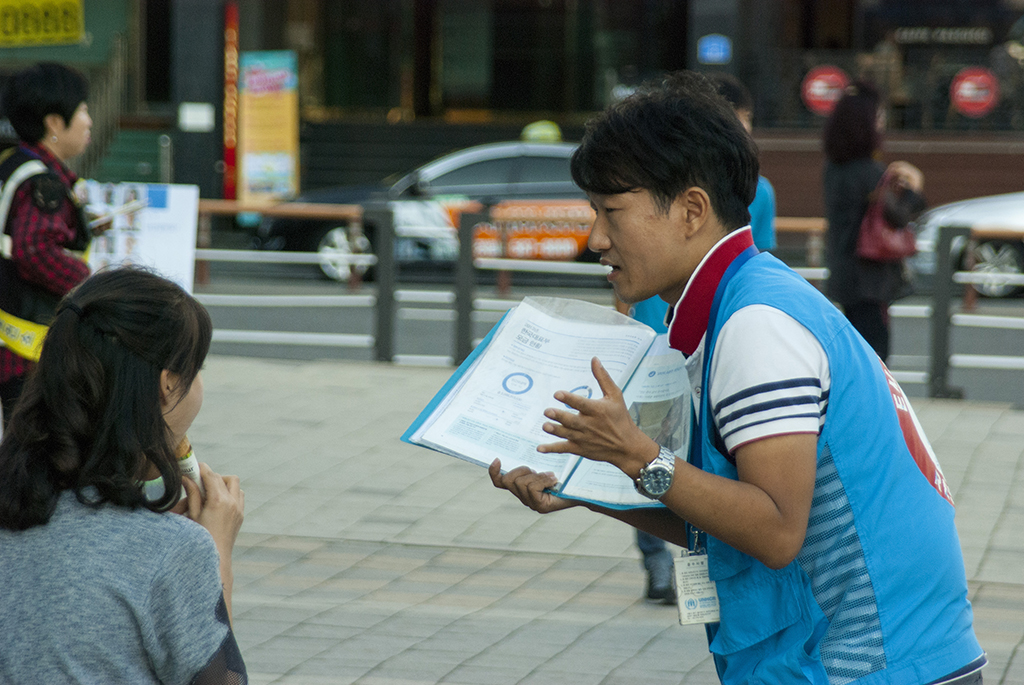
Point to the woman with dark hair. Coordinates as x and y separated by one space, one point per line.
101 584
40 216
852 139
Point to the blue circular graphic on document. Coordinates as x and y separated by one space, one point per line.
584 390
652 374
517 383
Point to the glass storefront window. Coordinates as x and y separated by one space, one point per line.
916 54
509 60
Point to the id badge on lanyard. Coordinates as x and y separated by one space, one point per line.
696 592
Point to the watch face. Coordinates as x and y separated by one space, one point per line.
657 480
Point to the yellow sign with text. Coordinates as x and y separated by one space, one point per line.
268 126
41 22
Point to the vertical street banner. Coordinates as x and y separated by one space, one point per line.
151 225
230 100
268 126
41 22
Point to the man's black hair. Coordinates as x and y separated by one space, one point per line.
33 93
733 90
671 135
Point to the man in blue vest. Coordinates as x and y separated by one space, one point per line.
818 551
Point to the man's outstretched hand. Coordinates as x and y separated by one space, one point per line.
599 429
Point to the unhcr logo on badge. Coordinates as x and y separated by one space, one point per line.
691 604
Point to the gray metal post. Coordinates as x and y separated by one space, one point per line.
941 296
465 287
166 159
378 216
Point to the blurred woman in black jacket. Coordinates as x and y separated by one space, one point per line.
852 142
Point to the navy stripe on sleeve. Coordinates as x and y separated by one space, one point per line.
808 382
798 398
768 420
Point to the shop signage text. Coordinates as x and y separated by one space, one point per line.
926 35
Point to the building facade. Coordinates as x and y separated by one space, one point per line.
455 72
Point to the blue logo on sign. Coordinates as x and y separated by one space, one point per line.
157 196
714 48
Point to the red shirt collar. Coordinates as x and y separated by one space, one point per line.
67 176
689 318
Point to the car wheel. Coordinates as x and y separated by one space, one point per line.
998 257
334 246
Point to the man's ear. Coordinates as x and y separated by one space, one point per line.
53 123
694 206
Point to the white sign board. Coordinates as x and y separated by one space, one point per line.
197 117
153 225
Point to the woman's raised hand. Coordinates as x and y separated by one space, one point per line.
222 511
908 176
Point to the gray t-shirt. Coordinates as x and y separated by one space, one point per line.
108 595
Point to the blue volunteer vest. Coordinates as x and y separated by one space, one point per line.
878 592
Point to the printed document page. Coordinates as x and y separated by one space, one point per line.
658 398
544 345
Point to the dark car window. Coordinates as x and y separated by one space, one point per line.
544 177
544 170
491 172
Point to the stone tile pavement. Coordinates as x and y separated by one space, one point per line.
365 560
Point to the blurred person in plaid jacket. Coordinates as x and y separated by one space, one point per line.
44 229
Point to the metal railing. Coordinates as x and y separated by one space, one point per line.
939 359
943 319
390 302
382 341
464 307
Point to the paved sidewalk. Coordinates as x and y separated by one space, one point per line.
365 560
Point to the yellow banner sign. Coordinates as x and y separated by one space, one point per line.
268 126
41 22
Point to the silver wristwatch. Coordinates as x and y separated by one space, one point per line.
656 478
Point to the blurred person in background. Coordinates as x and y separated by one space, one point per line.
852 139
103 581
657 560
41 218
762 209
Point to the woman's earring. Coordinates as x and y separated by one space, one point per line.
53 138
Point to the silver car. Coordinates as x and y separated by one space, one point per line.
1002 256
424 233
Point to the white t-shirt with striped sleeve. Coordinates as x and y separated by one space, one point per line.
769 376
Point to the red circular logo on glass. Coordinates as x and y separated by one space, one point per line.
974 92
822 88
